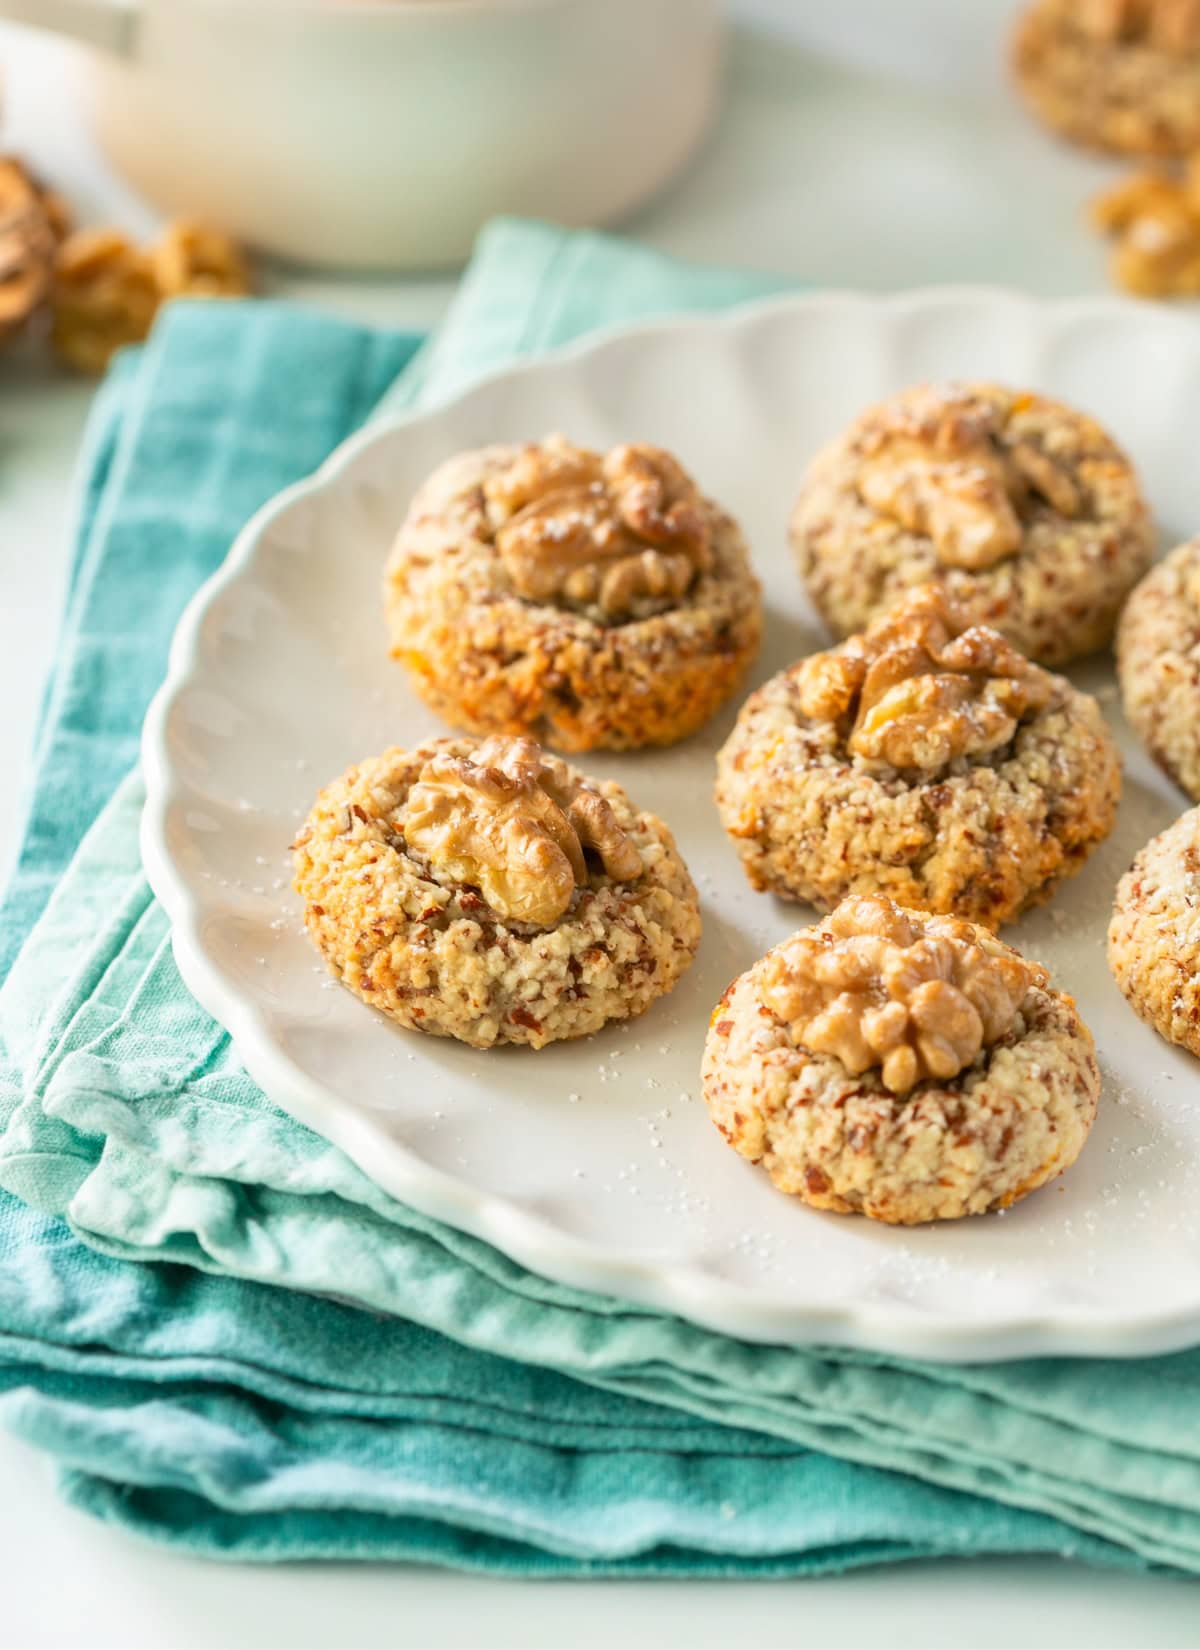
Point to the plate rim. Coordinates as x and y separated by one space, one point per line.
900 1328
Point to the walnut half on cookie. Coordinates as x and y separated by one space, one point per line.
925 759
902 1066
1026 511
590 600
492 893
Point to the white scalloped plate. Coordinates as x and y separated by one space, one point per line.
595 1163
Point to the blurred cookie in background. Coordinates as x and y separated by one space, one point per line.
33 222
1119 74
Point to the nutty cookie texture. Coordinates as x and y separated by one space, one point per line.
1158 663
1026 511
901 1066
1154 935
592 601
925 759
492 893
1118 74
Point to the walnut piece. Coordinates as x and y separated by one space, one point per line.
878 985
1153 219
513 822
105 296
922 686
619 535
32 223
193 260
940 465
107 291
1167 25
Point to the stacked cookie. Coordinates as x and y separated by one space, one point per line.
924 781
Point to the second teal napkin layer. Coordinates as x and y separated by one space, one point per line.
489 1418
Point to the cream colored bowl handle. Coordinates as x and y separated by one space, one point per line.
108 23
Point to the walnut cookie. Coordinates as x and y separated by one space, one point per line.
1026 511
1119 74
595 602
925 759
1158 663
901 1066
492 893
1154 935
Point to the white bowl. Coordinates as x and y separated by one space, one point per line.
380 134
595 1162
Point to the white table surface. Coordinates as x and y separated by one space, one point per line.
816 171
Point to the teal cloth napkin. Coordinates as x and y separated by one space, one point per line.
461 1410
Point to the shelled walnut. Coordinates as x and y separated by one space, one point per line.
922 686
1153 220
33 221
622 533
942 468
918 996
107 290
105 296
514 823
193 260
